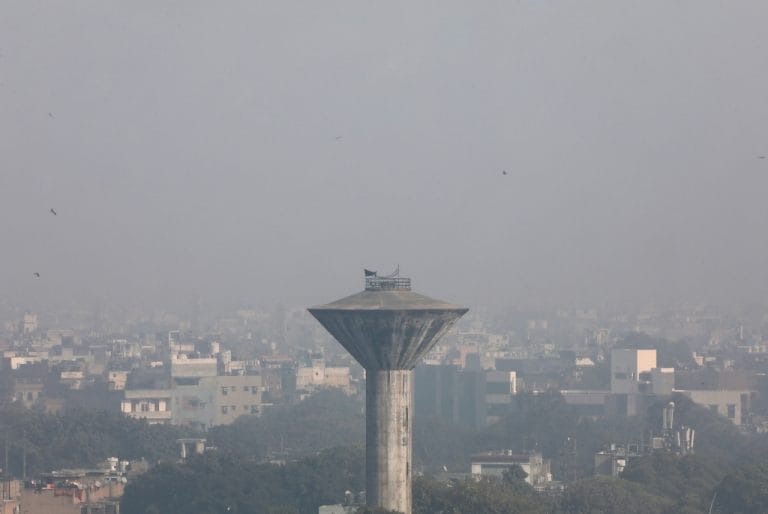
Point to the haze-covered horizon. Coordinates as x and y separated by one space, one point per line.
268 151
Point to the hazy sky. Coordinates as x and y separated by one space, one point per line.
270 150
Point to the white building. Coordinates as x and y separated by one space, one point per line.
537 467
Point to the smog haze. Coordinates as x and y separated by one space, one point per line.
268 151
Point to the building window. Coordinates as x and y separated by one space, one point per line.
254 390
620 376
732 410
234 408
233 388
224 409
224 391
245 388
713 408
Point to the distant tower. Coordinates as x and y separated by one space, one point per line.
387 328
668 418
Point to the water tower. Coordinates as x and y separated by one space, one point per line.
387 328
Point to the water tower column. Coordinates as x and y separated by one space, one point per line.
388 451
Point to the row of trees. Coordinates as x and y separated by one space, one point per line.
222 482
79 438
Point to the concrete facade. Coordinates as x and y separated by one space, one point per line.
210 401
734 405
388 428
626 367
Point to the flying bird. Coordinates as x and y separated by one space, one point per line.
52 211
761 157
36 274
50 115
337 138
504 172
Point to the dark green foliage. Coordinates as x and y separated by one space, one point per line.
485 496
603 495
597 377
514 474
544 422
326 419
217 481
688 480
744 491
81 438
437 444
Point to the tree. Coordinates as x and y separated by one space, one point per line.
327 419
603 495
744 490
485 496
514 474
245 486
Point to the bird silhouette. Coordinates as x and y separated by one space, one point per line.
504 172
761 157
54 212
36 274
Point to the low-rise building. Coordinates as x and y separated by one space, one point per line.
154 405
490 464
317 375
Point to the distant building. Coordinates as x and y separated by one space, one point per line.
612 461
450 394
73 492
201 402
318 375
734 405
116 380
537 467
627 365
29 323
154 405
10 496
500 389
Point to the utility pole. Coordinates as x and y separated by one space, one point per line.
24 455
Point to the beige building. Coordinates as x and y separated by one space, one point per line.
29 323
10 496
734 405
116 380
237 396
209 402
319 375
